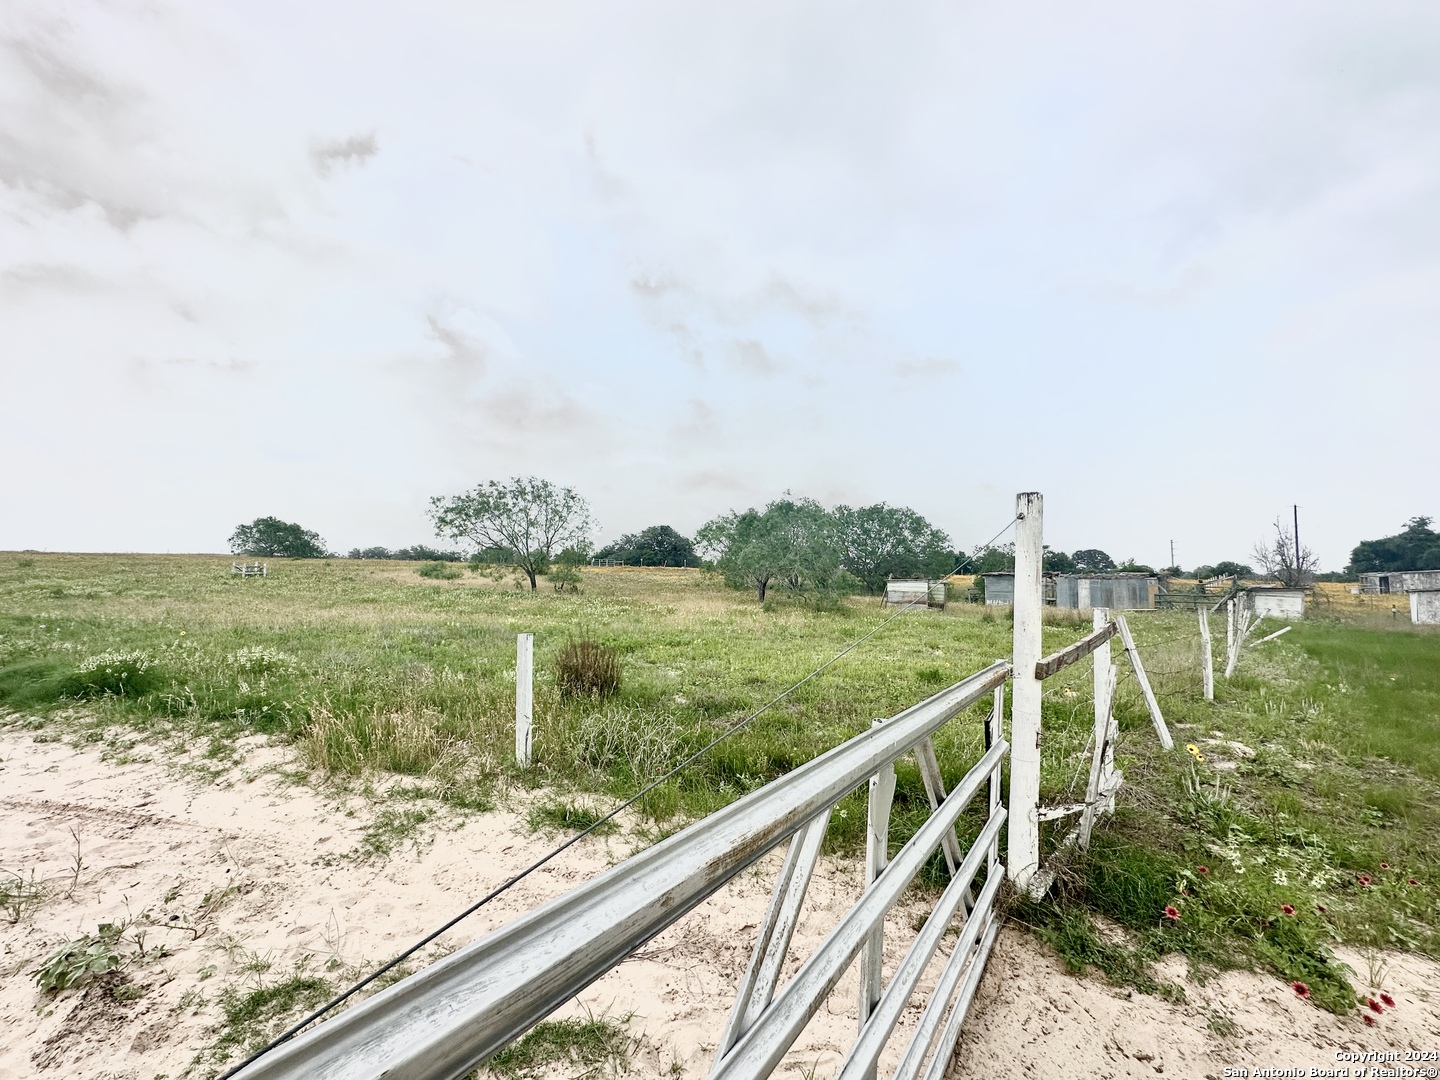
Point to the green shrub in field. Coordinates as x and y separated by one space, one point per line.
586 668
443 571
114 672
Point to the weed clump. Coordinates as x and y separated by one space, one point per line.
585 1046
80 960
112 672
586 668
443 571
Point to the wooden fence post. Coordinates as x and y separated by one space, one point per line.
1024 822
524 696
1207 657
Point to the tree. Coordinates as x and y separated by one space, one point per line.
880 542
1130 566
1093 561
1416 547
991 560
277 539
1278 559
1227 568
791 543
659 545
1057 562
528 516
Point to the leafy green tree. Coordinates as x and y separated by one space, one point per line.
269 536
1093 561
791 544
659 545
529 517
1057 562
999 559
880 542
1229 568
1416 547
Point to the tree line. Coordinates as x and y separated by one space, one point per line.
794 545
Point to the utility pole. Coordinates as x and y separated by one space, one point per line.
1299 577
1172 552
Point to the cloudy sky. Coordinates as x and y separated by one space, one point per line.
1176 266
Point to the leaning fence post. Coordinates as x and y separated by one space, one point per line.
524 696
1207 655
1024 824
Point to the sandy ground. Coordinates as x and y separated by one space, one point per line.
244 879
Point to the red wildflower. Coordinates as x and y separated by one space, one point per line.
1414 881
1369 1020
1384 866
1286 909
1321 908
1364 880
1301 990
1388 1000
1375 1006
1172 912
1202 869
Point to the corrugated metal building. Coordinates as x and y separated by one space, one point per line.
1425 607
1400 581
999 588
1122 592
917 591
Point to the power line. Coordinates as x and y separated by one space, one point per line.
620 808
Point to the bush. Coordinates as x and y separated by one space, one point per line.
586 668
112 673
439 570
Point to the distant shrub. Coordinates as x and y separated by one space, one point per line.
418 553
111 672
439 570
586 668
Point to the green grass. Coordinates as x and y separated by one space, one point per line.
579 1047
1322 762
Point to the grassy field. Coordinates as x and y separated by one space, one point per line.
1310 820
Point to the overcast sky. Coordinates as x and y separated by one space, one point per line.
1176 266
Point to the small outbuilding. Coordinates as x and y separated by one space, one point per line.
1394 581
1120 592
917 591
999 588
1277 603
1425 607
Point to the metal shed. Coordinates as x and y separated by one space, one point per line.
1394 581
915 591
1123 592
1425 607
999 588
1277 603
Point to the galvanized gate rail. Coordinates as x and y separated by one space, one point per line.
446 1019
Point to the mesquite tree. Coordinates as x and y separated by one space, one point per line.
528 517
1281 561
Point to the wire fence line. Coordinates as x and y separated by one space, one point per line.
618 809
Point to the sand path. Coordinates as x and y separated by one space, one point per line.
244 879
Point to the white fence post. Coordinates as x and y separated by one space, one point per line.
524 696
877 855
1024 823
1207 657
